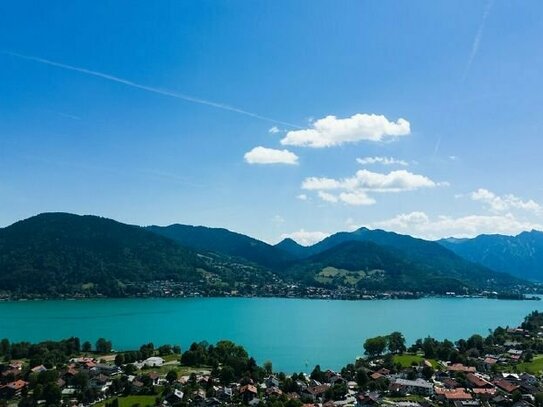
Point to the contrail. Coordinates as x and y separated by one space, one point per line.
159 91
478 36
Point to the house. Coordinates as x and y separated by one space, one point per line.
38 369
225 393
477 381
174 397
506 385
460 368
418 386
13 389
248 392
153 361
467 403
272 381
452 395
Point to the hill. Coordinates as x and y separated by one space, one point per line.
56 254
520 255
292 247
60 252
225 242
369 266
63 254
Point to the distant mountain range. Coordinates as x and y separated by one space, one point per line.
60 253
225 242
520 255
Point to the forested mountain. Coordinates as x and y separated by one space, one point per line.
293 248
59 253
226 242
370 266
520 255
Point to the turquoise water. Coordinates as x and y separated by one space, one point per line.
293 333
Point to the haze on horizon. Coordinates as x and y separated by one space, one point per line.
276 120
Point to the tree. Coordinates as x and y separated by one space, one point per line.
268 367
51 394
227 375
429 347
119 359
361 377
86 347
396 343
317 374
103 346
375 346
171 376
427 372
5 347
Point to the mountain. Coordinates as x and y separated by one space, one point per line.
225 242
364 264
292 247
57 252
520 255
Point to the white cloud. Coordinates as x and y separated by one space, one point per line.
356 198
353 190
305 238
274 130
381 160
325 196
331 131
505 203
302 197
263 155
421 225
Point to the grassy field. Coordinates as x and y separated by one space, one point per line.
407 360
129 401
533 367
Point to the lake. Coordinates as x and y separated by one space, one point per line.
295 334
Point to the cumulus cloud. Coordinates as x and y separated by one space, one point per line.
274 130
263 155
302 197
497 204
421 225
306 238
356 198
331 131
381 160
325 196
354 190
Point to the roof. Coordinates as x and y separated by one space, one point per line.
477 381
459 367
454 394
415 383
16 385
248 388
506 385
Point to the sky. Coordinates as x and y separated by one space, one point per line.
275 118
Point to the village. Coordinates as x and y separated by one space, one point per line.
502 369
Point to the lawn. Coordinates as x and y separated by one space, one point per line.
129 401
407 359
533 367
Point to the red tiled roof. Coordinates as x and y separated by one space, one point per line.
454 394
459 367
248 388
505 385
17 384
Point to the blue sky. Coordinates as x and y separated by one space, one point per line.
275 118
